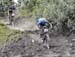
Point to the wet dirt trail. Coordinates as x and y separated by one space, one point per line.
25 47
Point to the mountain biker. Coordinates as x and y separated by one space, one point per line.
41 23
11 11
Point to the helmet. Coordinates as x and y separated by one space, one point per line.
43 19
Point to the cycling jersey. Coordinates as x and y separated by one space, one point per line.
41 23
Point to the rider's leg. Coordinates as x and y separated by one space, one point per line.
11 20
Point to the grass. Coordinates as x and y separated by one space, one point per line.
24 12
7 35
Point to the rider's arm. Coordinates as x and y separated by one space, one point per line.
50 25
38 25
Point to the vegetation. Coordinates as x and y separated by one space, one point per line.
7 34
52 9
4 4
57 11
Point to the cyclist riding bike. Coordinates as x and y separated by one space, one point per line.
43 26
11 13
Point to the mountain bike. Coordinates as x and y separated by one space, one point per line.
44 34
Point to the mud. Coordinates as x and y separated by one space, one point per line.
60 46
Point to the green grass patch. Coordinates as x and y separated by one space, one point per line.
24 12
7 35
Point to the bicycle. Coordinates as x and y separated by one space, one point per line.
44 34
